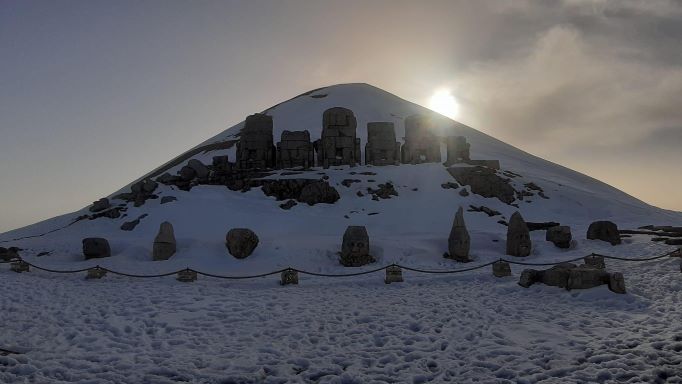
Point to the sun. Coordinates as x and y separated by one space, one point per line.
444 103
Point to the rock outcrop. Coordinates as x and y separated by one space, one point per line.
484 181
164 242
241 242
518 236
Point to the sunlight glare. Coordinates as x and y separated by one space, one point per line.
444 103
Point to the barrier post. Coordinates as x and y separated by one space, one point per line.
96 273
187 276
289 276
394 274
19 266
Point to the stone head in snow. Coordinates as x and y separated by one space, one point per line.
355 247
459 241
518 236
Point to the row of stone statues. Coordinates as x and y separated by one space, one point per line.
339 144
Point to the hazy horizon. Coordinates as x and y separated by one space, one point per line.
95 94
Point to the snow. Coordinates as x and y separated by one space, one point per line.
460 328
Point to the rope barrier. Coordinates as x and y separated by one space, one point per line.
4 351
418 270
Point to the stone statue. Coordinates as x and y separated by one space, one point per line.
164 243
459 241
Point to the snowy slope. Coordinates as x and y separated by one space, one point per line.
411 228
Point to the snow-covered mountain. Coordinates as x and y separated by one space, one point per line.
411 228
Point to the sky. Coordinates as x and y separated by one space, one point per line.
94 94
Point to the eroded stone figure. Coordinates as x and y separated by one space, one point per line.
421 143
518 236
382 147
339 144
459 241
355 247
295 150
255 148
164 243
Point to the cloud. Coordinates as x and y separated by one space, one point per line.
571 91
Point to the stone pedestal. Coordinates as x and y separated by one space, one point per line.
394 274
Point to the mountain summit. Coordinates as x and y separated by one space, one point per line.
299 173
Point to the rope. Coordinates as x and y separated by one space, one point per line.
343 274
42 234
242 277
8 352
450 271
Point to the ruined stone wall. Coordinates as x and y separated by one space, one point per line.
421 143
382 147
338 145
295 150
255 149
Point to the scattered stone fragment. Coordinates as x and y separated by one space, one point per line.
348 182
384 191
604 231
100 205
560 236
164 243
463 192
518 237
96 247
288 205
488 211
355 247
130 225
449 185
319 192
241 242
360 194
7 254
459 241
501 269
595 261
541 226
199 168
168 199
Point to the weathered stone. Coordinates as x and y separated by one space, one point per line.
96 247
130 225
187 173
560 236
394 274
289 276
518 237
421 143
288 205
241 242
463 192
318 192
8 254
485 182
595 261
384 191
605 231
187 276
458 149
488 211
168 199
139 192
449 185
541 226
295 150
199 168
166 178
338 144
96 273
617 283
501 269
100 205
255 148
164 242
19 266
382 147
570 276
349 182
355 247
459 241
528 277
